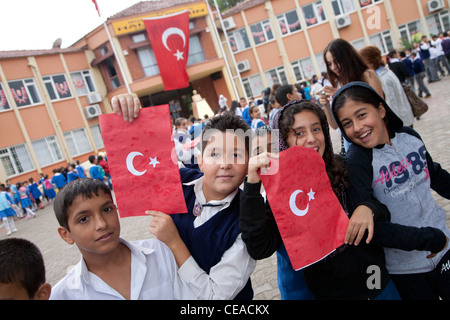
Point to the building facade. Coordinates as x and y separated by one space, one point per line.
50 99
50 102
283 40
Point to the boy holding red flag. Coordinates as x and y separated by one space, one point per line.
206 241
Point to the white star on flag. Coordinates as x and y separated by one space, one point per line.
153 162
311 194
179 55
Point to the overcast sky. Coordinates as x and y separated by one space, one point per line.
36 24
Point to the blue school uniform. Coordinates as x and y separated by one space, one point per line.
5 206
80 171
208 242
34 190
15 191
59 180
72 175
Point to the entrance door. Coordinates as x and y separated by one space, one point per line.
181 97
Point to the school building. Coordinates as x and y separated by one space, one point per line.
50 99
283 40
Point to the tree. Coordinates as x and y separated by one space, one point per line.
224 4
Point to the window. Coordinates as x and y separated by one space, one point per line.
77 142
277 75
365 3
24 92
321 62
314 13
239 40
57 87
303 68
111 72
82 82
358 44
289 22
148 61
97 135
261 32
253 85
195 51
140 37
16 160
438 22
410 33
342 6
104 50
383 41
4 104
47 150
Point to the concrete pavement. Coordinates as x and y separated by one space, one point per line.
59 256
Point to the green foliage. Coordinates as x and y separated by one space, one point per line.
225 4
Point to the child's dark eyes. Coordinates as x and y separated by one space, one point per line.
346 124
83 219
361 115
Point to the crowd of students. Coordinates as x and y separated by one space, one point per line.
383 183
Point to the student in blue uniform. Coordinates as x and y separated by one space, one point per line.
58 179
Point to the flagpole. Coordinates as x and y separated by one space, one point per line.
223 52
114 48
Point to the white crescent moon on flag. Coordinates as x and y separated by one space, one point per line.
295 210
170 31
130 166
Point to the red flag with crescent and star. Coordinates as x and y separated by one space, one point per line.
169 37
143 163
309 216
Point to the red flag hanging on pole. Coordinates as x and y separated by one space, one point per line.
169 36
96 7
309 216
142 162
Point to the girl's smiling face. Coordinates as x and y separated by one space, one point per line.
331 63
307 132
363 123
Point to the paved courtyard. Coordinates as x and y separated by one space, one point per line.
434 127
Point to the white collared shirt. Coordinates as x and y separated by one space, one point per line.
153 276
228 277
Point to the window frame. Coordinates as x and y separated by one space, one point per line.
86 82
242 42
28 84
53 150
75 142
15 161
318 10
4 102
283 19
51 84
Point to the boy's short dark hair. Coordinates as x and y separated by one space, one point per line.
224 122
21 262
282 92
85 187
91 159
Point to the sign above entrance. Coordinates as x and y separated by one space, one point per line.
136 24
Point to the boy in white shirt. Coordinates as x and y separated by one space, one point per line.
207 242
110 267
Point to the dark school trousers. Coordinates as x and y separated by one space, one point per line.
426 286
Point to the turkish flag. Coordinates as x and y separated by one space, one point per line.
169 36
142 162
309 216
